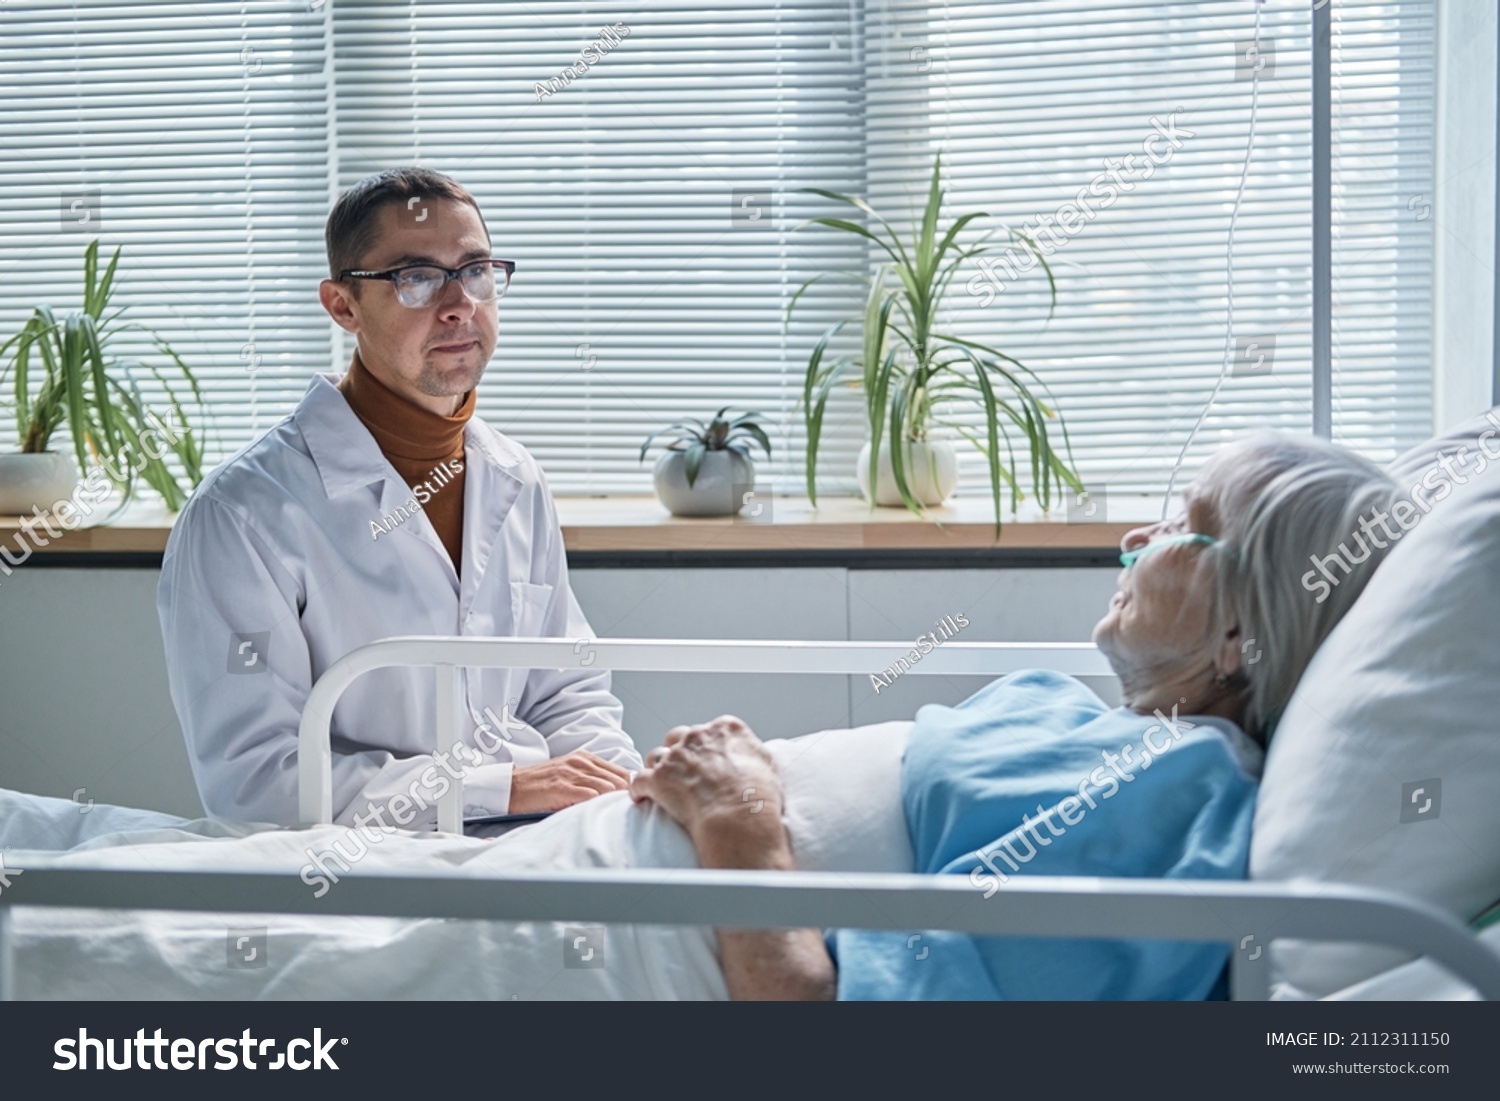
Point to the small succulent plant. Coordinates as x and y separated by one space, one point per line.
719 434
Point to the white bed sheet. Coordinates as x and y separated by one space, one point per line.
843 813
1421 980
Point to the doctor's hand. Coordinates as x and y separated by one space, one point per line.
563 781
714 778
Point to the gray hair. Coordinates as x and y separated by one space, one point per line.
1283 501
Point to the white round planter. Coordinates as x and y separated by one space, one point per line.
931 473
719 490
39 480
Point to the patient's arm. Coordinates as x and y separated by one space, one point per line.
759 964
720 784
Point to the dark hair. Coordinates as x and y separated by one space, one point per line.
350 231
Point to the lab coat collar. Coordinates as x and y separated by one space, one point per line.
348 458
346 455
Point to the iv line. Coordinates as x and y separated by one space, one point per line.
1228 270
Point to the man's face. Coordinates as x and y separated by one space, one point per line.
439 350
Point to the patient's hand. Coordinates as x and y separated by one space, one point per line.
563 781
715 777
720 784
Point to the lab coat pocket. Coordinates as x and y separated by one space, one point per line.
529 606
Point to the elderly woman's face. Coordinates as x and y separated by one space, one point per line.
1161 625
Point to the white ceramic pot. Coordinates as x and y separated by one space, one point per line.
719 490
39 480
931 473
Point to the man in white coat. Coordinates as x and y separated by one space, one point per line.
381 507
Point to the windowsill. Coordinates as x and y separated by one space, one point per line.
837 523
594 525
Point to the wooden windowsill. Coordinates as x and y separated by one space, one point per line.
838 523
641 523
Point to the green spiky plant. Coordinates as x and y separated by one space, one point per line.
719 434
915 377
86 384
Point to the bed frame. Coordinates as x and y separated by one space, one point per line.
1248 917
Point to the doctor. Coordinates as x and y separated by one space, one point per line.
381 506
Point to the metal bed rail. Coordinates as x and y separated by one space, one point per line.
1248 917
449 654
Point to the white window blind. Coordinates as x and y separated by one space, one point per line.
1030 101
651 201
194 136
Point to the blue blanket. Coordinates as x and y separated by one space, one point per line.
1035 775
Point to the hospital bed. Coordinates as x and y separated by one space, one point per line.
1248 917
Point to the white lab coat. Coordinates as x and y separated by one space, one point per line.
273 572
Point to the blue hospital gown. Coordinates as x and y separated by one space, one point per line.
996 787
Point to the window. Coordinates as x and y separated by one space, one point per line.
648 203
194 137
1031 101
650 199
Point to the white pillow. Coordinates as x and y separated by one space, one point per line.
842 812
843 798
1419 981
1401 705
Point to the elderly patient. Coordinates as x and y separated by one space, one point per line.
1209 633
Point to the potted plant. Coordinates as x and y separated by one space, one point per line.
95 390
916 378
707 470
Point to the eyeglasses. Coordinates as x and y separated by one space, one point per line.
418 285
1130 558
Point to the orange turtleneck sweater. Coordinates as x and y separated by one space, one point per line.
415 441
